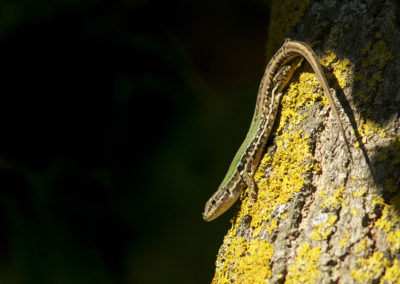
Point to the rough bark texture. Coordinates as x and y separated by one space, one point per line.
322 216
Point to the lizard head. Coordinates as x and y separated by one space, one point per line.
222 200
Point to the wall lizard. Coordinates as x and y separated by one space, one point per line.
277 75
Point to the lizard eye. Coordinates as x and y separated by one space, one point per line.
213 202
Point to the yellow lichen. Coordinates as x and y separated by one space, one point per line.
288 164
392 152
323 231
374 58
390 213
377 200
272 226
333 200
369 267
359 193
245 262
368 128
384 222
279 26
363 245
392 274
346 202
302 94
345 240
375 54
305 269
341 68
354 212
394 239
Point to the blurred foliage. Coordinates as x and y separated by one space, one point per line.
111 118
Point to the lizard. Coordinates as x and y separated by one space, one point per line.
277 75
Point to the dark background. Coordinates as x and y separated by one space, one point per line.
118 120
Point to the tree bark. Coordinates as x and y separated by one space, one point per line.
323 216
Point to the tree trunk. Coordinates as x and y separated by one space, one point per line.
323 216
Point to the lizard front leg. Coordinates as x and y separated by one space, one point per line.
251 183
